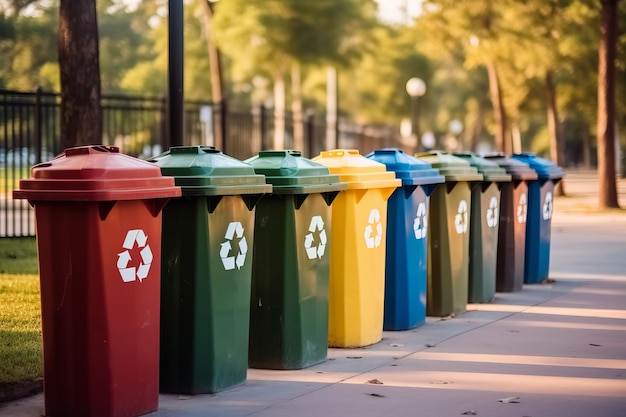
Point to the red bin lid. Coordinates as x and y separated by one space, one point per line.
95 173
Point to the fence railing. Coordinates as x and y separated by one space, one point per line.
30 133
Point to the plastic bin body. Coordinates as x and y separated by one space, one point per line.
484 227
357 261
98 217
539 222
406 256
289 299
206 270
512 229
449 229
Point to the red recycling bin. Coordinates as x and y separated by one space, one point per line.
98 215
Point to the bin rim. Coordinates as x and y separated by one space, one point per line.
205 170
95 173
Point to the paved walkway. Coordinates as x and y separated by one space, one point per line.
556 349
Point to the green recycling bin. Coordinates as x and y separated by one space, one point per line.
449 221
512 229
484 223
206 270
289 299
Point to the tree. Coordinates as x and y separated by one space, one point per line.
606 105
81 114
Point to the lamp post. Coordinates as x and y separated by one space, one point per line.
415 87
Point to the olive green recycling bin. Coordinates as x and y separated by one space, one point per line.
512 229
289 300
448 255
206 270
484 223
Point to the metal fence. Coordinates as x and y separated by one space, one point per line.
30 133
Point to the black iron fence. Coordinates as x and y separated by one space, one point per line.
30 133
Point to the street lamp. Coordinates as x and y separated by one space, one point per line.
415 87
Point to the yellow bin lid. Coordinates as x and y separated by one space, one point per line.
357 171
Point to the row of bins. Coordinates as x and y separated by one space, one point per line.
183 271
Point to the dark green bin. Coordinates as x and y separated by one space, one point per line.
448 236
484 226
289 302
206 270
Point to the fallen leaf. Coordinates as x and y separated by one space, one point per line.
509 400
443 382
184 397
376 395
428 345
374 381
593 344
355 357
396 345
470 413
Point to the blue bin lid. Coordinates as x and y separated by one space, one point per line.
518 169
492 172
546 169
410 170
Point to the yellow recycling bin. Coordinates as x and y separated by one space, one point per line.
357 258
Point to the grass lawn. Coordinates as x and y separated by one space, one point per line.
20 316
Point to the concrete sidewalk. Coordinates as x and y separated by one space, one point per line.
556 349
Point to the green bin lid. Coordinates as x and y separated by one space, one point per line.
410 170
290 173
491 171
206 171
357 171
518 170
451 167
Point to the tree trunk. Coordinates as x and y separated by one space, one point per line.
215 64
81 114
296 107
553 129
606 105
499 113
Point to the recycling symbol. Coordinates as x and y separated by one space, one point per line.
317 225
460 220
522 209
492 212
420 224
373 224
547 206
235 229
132 273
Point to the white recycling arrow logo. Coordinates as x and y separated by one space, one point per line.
420 224
235 229
317 225
547 206
492 212
374 230
132 273
522 208
460 220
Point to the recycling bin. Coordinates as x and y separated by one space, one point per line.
448 240
206 269
357 260
289 300
484 223
98 215
406 253
539 222
512 229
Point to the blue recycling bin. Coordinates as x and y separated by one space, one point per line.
407 243
539 222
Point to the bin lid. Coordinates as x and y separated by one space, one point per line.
357 171
450 166
290 173
95 173
518 170
408 169
546 169
491 171
206 171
